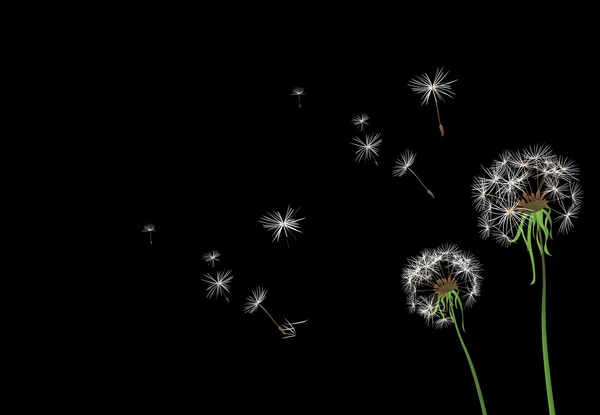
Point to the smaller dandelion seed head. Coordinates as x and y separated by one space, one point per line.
149 228
403 163
470 298
538 153
519 161
437 273
368 148
565 219
501 238
484 224
211 257
360 121
422 84
575 192
277 223
553 188
448 250
443 322
298 91
255 299
565 167
219 285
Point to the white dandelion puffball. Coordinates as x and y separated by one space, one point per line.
298 91
368 148
435 277
533 185
220 284
403 163
277 223
149 228
360 121
423 85
211 257
253 301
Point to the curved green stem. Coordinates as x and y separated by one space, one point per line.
545 342
481 402
542 222
529 221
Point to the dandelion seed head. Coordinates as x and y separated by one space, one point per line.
211 257
149 228
219 285
298 91
422 84
484 224
360 121
368 148
277 223
444 322
521 183
403 163
255 299
437 273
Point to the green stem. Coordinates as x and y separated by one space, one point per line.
483 411
545 342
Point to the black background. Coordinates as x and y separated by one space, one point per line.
203 148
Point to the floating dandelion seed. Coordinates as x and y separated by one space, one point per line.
521 195
149 228
276 223
368 148
422 85
360 121
219 285
403 165
290 329
298 91
255 300
436 283
211 257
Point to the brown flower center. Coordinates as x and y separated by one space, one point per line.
445 285
532 202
